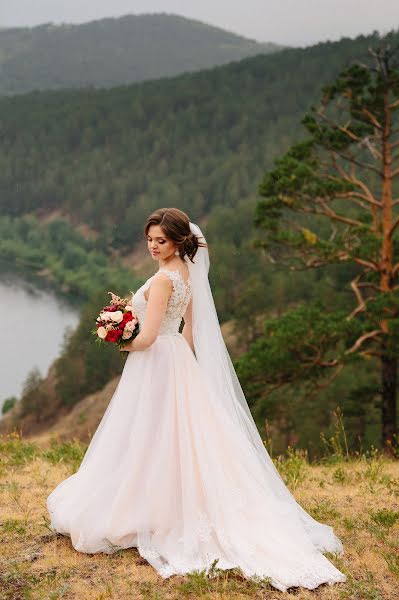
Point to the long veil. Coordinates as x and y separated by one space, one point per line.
224 387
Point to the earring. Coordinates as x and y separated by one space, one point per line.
177 253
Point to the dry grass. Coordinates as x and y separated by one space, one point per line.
359 497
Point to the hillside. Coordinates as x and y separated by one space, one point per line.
108 157
56 419
357 497
114 51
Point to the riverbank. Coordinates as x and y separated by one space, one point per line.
56 254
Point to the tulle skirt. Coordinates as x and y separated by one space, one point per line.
167 471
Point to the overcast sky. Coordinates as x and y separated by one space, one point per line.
293 22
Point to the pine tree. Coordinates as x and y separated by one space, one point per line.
333 199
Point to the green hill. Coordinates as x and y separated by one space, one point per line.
114 51
104 159
197 141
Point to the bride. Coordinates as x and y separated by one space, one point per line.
177 467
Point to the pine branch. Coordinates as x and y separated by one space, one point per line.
342 128
368 284
392 229
354 161
363 338
361 301
373 150
353 197
369 196
331 214
370 264
372 118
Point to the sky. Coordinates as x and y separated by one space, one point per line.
290 22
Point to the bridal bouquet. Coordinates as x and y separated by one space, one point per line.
116 322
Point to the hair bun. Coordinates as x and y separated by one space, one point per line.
176 226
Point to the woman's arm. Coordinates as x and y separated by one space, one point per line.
187 331
160 289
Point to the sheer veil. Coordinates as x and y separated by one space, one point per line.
224 387
210 348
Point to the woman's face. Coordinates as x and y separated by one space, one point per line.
159 246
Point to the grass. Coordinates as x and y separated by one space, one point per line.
357 495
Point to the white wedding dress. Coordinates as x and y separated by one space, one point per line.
169 472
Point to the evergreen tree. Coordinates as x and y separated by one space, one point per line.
332 200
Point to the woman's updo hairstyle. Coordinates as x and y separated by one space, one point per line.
176 225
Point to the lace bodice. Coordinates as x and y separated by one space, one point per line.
177 302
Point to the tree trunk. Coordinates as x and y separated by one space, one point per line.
389 366
389 371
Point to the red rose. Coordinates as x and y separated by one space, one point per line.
113 335
127 316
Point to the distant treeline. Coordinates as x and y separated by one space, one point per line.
114 51
201 142
109 157
76 266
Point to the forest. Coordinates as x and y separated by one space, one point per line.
114 51
202 142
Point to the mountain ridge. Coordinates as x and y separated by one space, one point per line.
115 51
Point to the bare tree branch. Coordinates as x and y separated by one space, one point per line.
328 212
358 182
350 158
356 198
363 338
361 301
372 118
344 129
392 229
373 150
368 284
366 263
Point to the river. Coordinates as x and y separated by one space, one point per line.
34 322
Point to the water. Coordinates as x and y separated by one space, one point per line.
33 324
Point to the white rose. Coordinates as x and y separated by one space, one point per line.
101 332
106 316
117 316
129 326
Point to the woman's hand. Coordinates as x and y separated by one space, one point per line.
126 347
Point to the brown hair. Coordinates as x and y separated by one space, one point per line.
176 225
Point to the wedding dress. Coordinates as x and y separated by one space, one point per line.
173 471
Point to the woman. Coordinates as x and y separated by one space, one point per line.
176 466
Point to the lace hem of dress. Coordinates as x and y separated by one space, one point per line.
207 541
191 558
